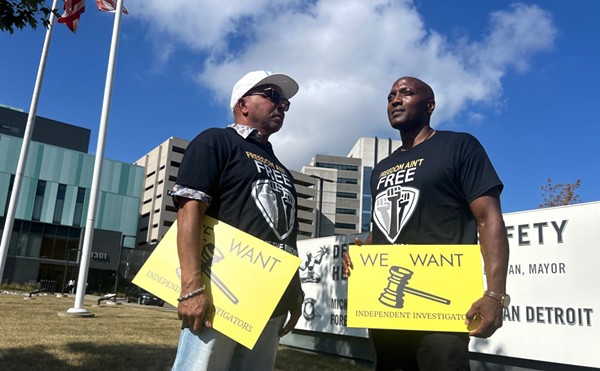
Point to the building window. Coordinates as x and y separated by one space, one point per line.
8 197
175 163
342 210
306 208
60 203
79 207
172 178
47 249
346 195
178 150
38 202
34 241
337 166
347 181
61 241
345 225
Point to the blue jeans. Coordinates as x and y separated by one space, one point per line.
212 351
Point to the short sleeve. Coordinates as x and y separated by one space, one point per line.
201 165
477 174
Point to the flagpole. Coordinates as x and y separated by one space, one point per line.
12 206
78 308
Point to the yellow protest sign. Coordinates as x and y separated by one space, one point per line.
413 287
246 277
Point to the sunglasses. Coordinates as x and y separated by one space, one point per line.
274 96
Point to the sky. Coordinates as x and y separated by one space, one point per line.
520 76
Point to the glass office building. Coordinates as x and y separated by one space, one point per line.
52 210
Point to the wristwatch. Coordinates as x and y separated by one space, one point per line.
503 299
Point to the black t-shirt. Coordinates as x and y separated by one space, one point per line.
422 195
250 189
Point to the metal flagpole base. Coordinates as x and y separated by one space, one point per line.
76 313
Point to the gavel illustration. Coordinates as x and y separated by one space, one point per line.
211 255
393 294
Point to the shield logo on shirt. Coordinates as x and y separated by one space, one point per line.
277 206
393 208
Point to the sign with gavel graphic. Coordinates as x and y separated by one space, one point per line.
413 287
229 257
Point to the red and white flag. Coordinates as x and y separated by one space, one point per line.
73 10
109 6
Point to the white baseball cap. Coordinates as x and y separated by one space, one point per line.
288 86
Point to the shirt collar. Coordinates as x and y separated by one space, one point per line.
246 131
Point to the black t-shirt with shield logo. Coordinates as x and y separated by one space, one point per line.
250 189
422 195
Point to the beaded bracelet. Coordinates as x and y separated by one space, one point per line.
190 295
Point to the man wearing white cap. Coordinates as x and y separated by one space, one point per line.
233 175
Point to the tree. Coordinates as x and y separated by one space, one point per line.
560 194
24 13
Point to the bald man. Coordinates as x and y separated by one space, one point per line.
449 194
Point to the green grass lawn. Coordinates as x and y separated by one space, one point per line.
33 337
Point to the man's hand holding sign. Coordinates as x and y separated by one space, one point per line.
195 311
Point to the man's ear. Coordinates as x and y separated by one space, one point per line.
430 106
242 106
